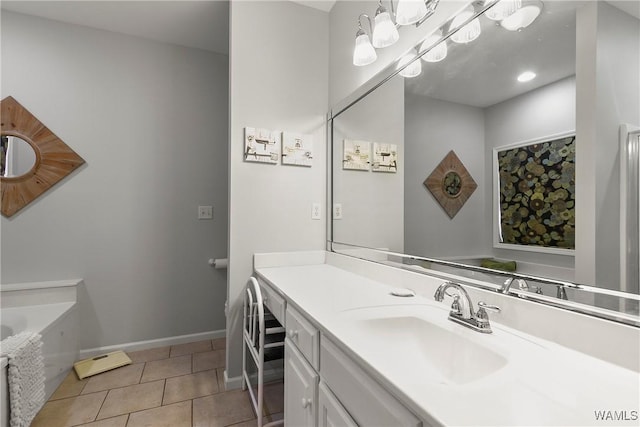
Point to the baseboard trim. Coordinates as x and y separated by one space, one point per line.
232 383
160 342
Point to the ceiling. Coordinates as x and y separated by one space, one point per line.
197 24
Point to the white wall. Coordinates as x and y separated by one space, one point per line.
279 80
433 128
150 120
372 202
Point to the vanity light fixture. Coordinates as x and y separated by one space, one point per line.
522 17
410 11
526 76
438 52
414 68
363 53
502 9
469 31
385 32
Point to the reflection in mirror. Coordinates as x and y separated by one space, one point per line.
474 100
17 156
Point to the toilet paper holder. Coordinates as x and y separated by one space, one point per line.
219 263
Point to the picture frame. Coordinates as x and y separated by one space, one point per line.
261 145
356 155
534 195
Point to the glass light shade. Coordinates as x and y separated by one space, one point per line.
415 67
469 32
438 52
522 17
502 9
526 76
410 11
363 53
384 31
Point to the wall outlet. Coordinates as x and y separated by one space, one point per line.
337 211
316 211
205 212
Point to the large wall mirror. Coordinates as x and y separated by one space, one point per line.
550 98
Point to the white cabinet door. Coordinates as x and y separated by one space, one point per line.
300 389
330 411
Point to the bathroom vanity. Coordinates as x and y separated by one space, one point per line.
357 355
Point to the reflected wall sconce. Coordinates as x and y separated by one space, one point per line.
523 16
414 68
363 53
502 9
469 31
436 52
384 32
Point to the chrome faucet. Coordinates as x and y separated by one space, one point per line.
462 308
522 285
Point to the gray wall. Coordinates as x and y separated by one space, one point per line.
150 120
372 202
433 128
279 80
607 86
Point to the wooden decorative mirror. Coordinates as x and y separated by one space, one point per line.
451 184
33 159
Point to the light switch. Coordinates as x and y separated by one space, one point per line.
205 212
316 212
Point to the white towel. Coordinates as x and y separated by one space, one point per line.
26 376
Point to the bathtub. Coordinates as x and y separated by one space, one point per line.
57 322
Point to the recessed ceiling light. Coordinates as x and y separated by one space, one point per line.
526 76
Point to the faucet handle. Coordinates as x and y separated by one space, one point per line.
484 306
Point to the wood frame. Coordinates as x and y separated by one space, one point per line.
435 183
54 159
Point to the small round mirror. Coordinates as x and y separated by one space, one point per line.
17 157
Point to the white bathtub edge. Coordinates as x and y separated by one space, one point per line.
160 342
7 287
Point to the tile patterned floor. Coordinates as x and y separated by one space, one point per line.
174 386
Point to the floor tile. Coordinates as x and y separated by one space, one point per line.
209 360
176 415
132 398
273 398
265 420
222 409
189 348
221 386
71 386
120 421
69 412
166 368
119 377
219 343
149 355
190 386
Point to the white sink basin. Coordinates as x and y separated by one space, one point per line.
441 351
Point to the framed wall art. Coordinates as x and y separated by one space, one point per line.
534 194
356 155
385 158
451 184
261 145
297 150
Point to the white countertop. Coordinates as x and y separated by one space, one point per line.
541 383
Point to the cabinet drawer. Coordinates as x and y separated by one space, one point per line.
304 335
274 302
300 389
364 399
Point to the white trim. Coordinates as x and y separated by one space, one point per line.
160 342
496 198
8 287
232 383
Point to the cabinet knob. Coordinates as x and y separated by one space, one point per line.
292 333
306 402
